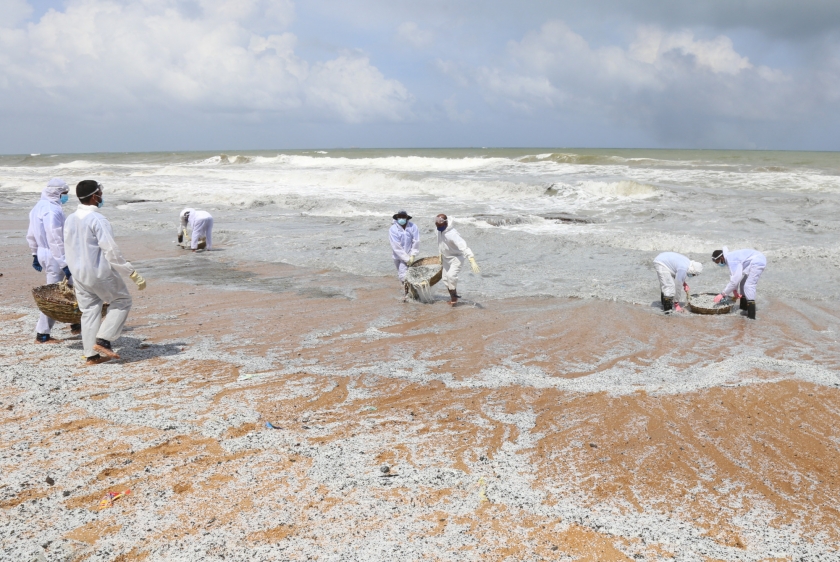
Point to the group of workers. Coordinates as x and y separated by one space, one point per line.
452 249
81 250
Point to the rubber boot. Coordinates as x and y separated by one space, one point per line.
75 329
668 304
751 310
453 297
743 303
662 299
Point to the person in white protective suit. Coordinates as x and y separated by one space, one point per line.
672 269
46 240
96 263
200 226
745 269
405 244
453 251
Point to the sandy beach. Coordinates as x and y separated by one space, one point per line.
512 429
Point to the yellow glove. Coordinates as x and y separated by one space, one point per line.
410 260
141 283
474 266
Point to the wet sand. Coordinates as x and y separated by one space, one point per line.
521 429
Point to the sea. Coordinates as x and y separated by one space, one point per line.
578 223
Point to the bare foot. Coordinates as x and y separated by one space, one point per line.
96 360
102 350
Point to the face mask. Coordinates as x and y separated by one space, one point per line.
441 228
64 198
401 222
101 202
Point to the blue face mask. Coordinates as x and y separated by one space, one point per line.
64 198
101 202
441 228
401 222
722 264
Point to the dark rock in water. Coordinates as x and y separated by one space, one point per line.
563 217
50 481
593 445
65 493
385 469
500 220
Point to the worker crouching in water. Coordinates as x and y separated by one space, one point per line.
405 244
200 224
453 250
672 269
745 269
46 240
96 263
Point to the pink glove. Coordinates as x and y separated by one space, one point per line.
677 307
686 287
719 298
736 295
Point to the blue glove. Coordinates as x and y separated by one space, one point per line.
35 265
66 271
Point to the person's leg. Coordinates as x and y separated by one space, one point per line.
750 285
402 270
113 324
209 233
451 269
45 323
667 287
743 291
91 306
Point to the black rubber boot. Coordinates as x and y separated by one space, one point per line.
751 310
75 328
453 297
743 303
104 343
662 299
668 304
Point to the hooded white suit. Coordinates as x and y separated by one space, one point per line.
745 268
405 242
672 269
96 263
453 251
46 239
200 224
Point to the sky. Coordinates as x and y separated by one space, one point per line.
168 75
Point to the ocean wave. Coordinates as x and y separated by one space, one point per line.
224 159
570 158
626 189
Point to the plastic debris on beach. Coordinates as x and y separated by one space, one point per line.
418 277
270 425
109 498
708 301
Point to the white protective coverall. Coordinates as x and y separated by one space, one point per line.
46 239
96 263
200 224
745 268
405 242
672 269
453 251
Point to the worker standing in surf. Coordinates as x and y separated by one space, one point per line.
453 251
745 269
405 244
46 240
672 269
96 263
200 227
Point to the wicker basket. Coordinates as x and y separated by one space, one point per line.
431 260
59 303
703 310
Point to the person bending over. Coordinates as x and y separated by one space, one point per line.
96 263
745 269
672 269
200 224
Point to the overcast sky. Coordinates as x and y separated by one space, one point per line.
147 75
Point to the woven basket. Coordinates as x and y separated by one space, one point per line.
431 260
703 310
59 303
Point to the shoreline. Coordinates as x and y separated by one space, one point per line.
531 428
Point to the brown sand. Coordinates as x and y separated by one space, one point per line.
708 456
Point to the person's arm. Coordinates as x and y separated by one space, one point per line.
415 245
460 243
734 280
396 246
105 239
30 236
679 279
54 227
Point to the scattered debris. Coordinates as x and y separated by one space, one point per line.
270 425
50 481
385 469
109 498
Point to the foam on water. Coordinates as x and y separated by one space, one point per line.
298 206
